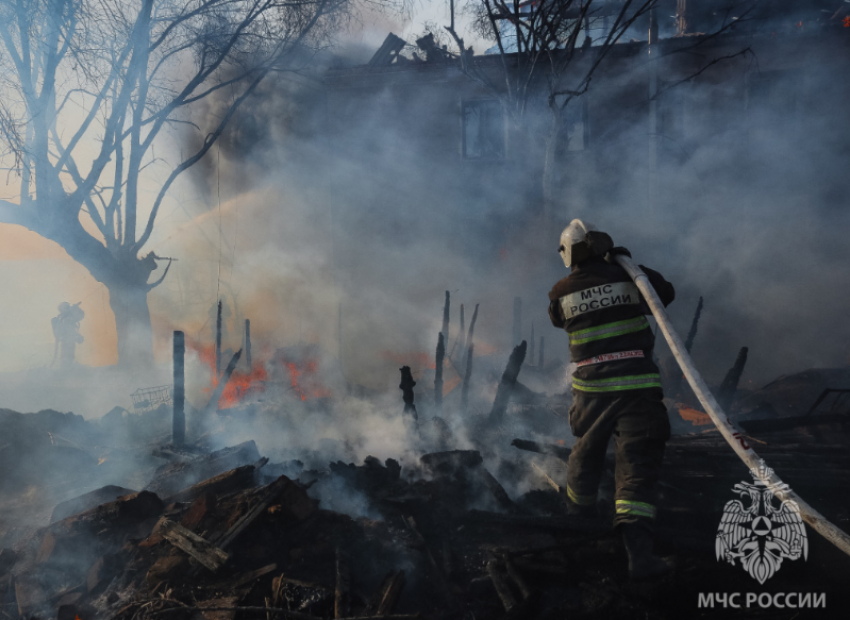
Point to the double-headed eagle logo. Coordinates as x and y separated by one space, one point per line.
761 535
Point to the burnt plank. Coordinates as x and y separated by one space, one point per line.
199 548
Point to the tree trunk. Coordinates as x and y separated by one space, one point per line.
129 303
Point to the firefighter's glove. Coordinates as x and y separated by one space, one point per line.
609 257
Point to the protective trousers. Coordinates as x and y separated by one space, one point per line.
638 422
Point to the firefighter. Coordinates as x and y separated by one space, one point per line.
66 332
616 387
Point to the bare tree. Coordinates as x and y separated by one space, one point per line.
539 48
90 88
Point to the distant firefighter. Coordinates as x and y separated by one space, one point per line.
66 331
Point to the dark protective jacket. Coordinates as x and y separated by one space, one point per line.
604 313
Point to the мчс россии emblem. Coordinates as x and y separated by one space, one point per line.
761 534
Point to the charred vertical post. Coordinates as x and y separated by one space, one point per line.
178 397
470 334
517 321
676 379
464 393
531 346
540 358
222 382
218 341
342 601
730 382
438 374
446 320
406 386
248 344
689 341
507 384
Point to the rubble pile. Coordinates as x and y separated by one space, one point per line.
446 541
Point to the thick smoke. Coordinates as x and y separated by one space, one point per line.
368 203
338 209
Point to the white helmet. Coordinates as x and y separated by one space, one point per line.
580 241
573 234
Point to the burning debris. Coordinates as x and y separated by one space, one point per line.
448 541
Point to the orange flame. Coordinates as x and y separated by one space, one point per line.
694 416
304 379
240 384
846 22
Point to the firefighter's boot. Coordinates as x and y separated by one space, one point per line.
642 564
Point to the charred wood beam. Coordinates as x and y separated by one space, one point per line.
125 510
218 340
441 578
388 51
676 382
438 373
406 386
178 427
391 594
446 319
342 598
822 397
201 507
248 360
292 496
197 547
225 482
729 386
497 490
542 448
692 333
384 600
549 481
282 580
517 578
471 333
501 584
467 375
506 385
245 578
222 381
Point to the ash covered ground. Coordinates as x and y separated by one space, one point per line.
299 495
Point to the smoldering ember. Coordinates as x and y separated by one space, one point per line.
276 341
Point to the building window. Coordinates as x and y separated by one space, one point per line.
483 130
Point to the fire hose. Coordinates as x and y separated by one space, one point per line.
730 433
